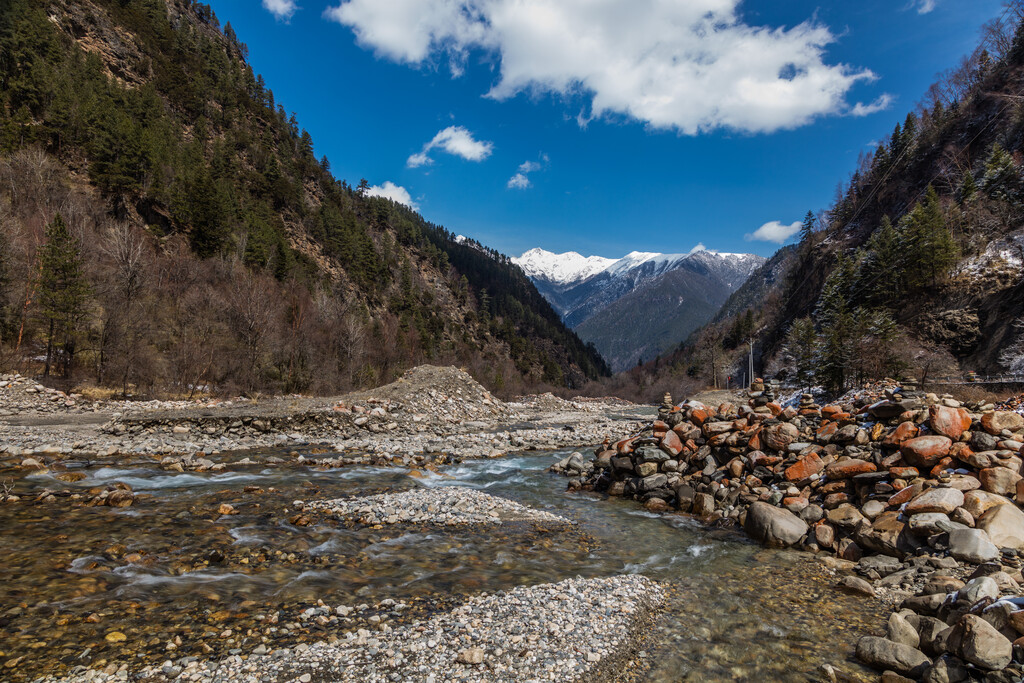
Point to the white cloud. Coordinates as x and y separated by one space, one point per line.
454 140
774 231
519 181
395 193
281 9
882 102
923 6
690 66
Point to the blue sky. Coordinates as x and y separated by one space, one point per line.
631 129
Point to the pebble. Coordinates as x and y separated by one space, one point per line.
559 631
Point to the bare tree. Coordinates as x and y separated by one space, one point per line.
125 247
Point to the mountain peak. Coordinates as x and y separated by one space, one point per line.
562 268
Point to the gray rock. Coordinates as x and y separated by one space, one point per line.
885 654
928 629
655 481
898 630
1004 525
974 640
928 523
812 513
978 589
946 669
972 545
882 564
872 508
855 586
772 526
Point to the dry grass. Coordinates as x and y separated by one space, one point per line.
94 393
970 392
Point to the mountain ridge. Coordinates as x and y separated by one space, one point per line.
146 116
586 292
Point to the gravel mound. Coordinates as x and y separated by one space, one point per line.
448 505
442 394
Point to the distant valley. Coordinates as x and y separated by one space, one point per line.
640 305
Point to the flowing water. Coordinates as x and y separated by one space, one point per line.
171 568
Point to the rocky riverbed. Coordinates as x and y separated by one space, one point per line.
918 494
326 539
430 411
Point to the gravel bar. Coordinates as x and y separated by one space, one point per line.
446 505
566 631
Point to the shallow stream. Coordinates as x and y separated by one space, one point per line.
173 569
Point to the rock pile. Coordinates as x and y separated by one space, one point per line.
20 395
910 476
440 394
953 629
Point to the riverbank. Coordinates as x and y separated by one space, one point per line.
915 496
431 412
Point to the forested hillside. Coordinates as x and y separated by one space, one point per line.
166 225
916 269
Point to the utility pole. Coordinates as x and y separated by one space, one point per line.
750 367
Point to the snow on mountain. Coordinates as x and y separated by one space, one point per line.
571 268
561 269
619 304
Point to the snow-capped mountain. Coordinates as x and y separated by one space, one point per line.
595 295
561 269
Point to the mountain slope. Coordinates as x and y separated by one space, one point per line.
641 304
144 116
917 269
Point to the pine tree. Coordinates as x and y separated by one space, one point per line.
63 294
926 245
835 321
801 346
1002 179
878 276
807 232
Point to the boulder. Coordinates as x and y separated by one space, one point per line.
943 500
845 469
887 535
670 443
975 640
979 588
995 421
885 654
901 632
804 468
846 517
120 499
905 431
780 435
925 451
999 480
772 526
980 502
928 523
951 422
855 585
703 504
972 545
646 469
654 481
946 669
1004 525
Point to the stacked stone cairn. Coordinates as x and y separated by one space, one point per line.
917 494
